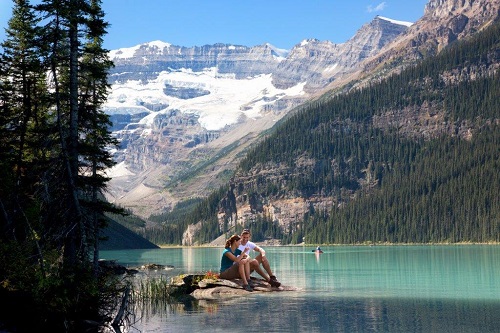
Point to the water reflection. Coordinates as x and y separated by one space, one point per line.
317 254
345 289
308 313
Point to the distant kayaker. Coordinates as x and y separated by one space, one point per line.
318 250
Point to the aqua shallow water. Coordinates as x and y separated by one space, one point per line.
345 289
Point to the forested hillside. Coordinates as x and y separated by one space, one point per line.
411 158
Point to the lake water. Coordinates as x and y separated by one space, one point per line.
442 288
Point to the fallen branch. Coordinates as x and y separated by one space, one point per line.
121 311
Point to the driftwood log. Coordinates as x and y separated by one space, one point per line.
201 288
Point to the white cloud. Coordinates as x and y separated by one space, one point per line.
378 8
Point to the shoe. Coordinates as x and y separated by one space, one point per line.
273 281
248 287
251 284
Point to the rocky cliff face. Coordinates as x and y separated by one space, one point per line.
144 62
455 19
443 8
320 62
444 22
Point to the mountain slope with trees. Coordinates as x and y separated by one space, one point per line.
412 158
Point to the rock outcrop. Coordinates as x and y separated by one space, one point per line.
201 288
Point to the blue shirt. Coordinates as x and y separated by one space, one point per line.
226 262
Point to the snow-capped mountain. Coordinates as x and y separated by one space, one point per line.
176 108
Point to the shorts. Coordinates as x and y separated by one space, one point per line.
231 273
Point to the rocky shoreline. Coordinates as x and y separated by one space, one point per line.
199 286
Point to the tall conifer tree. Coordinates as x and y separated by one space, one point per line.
22 81
54 149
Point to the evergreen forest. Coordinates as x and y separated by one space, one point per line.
427 182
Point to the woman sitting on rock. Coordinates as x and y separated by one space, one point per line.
233 266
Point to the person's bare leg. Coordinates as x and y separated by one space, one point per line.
265 264
247 270
273 281
241 270
255 266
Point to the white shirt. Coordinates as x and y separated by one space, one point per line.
249 244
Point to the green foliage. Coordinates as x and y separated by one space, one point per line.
178 212
170 226
206 214
50 298
152 289
128 220
116 236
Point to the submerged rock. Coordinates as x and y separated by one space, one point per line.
156 267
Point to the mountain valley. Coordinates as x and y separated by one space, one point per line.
186 117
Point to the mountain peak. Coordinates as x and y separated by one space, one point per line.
158 43
280 53
129 52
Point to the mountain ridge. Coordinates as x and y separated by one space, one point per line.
443 22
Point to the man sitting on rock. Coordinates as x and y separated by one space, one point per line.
260 259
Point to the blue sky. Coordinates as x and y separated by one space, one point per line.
283 23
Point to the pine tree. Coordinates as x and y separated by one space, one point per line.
94 152
54 149
22 94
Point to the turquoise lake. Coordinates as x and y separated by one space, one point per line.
442 288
